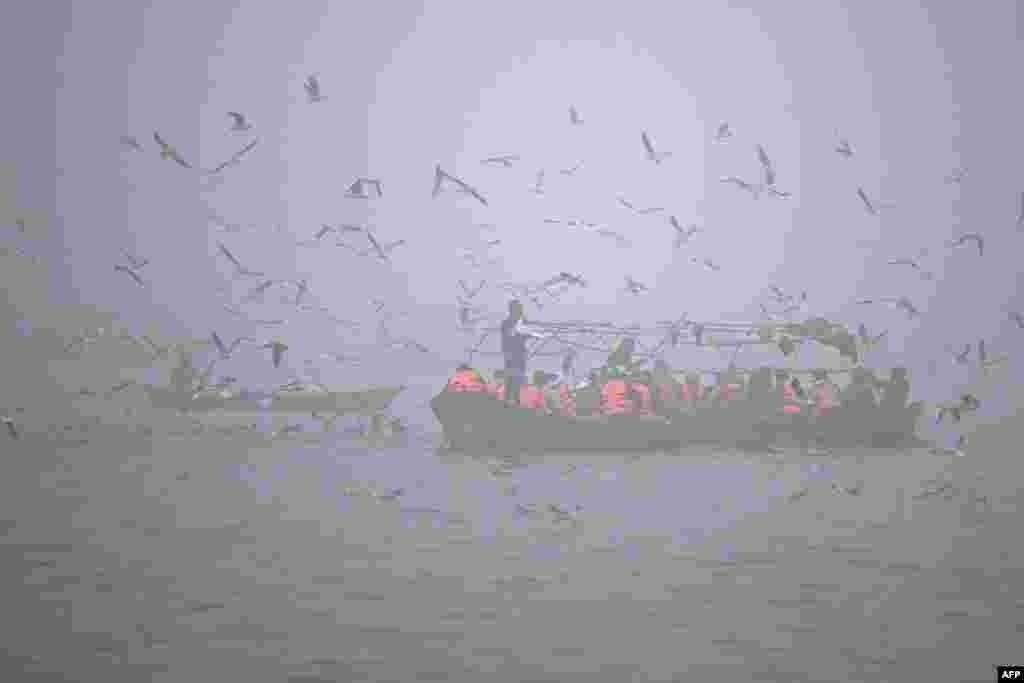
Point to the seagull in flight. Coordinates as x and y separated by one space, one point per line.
769 174
925 275
571 170
1017 318
900 303
844 149
128 270
620 240
235 158
643 212
978 240
960 357
574 117
866 340
538 186
471 293
872 206
634 287
708 264
169 152
313 94
131 142
358 188
227 350
239 122
277 348
381 251
240 270
505 160
754 190
652 155
722 133
441 177
682 234
136 262
325 229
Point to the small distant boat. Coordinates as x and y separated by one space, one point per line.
367 402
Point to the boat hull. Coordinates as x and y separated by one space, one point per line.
479 421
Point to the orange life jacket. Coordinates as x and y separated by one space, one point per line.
613 397
466 381
531 396
686 394
825 398
789 404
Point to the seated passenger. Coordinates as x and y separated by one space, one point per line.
466 379
895 392
588 396
667 390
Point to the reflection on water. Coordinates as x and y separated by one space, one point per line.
684 498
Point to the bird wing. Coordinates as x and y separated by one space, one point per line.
375 244
766 165
647 145
867 201
229 255
238 118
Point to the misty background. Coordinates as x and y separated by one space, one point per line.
919 89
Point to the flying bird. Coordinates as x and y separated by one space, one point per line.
240 270
278 349
169 152
754 190
313 94
652 155
470 293
634 287
872 206
441 177
572 170
967 403
131 273
955 177
136 262
768 171
629 205
574 117
620 240
235 158
358 188
131 142
239 122
505 160
377 248
227 350
723 133
900 303
682 234
978 240
538 186
708 264
1017 318
961 357
844 149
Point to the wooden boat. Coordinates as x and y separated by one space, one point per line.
479 421
366 402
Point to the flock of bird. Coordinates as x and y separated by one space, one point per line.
470 313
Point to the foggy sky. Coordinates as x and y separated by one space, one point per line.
918 88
